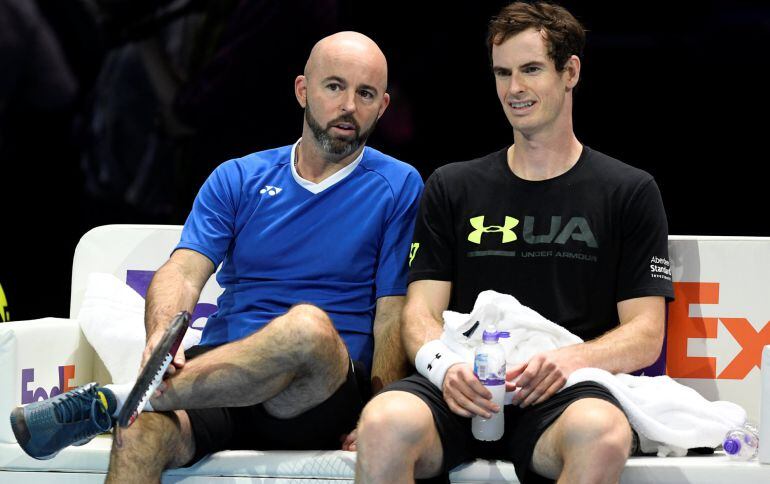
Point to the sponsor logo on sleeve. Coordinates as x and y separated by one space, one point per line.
413 252
660 268
5 315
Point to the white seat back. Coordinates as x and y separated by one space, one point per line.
718 323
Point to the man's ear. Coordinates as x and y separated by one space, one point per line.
572 71
300 90
384 105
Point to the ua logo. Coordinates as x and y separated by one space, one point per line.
478 224
413 252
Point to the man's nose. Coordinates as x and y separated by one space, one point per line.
349 101
515 87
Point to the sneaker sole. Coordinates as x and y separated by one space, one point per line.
21 432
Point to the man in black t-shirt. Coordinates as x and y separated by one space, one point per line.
570 232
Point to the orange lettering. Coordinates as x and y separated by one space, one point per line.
751 343
681 327
68 374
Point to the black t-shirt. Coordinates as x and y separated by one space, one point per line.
570 247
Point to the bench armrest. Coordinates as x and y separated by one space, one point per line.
39 359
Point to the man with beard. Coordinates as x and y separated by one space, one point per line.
313 239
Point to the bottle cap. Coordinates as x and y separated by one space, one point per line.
491 334
732 446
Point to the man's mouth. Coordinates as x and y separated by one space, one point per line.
521 104
345 126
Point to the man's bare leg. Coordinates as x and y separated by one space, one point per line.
291 365
589 443
156 441
397 440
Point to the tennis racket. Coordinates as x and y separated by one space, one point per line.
153 371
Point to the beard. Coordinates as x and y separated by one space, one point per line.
334 145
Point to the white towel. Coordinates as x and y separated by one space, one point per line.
668 416
112 320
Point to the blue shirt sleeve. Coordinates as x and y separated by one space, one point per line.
394 254
210 227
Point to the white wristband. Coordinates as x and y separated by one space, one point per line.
434 359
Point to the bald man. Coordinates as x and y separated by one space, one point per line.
314 240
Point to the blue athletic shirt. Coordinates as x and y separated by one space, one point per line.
282 240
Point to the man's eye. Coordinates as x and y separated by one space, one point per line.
531 70
333 87
367 95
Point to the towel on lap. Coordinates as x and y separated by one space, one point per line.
667 415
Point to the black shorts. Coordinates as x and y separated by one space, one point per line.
252 428
523 426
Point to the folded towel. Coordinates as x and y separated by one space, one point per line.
112 320
667 415
531 333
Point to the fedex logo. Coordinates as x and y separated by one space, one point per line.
66 373
735 346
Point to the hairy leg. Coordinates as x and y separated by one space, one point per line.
156 441
397 440
589 443
292 364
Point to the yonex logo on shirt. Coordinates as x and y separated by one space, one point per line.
478 224
270 190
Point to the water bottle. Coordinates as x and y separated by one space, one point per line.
489 367
742 443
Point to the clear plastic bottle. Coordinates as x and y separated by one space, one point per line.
742 443
489 367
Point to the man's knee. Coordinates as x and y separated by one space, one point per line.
398 418
596 425
307 323
158 439
397 429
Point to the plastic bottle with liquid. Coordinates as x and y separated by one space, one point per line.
489 367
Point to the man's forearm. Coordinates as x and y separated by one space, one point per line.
418 327
389 363
170 291
629 347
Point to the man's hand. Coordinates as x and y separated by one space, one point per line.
179 359
465 394
543 375
176 364
350 440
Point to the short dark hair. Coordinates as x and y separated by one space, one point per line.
564 35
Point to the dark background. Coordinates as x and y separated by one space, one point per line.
91 133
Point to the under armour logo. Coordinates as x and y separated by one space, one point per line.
270 190
437 357
413 252
478 224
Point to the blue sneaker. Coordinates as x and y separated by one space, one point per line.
73 418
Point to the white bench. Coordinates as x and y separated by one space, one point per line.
721 284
